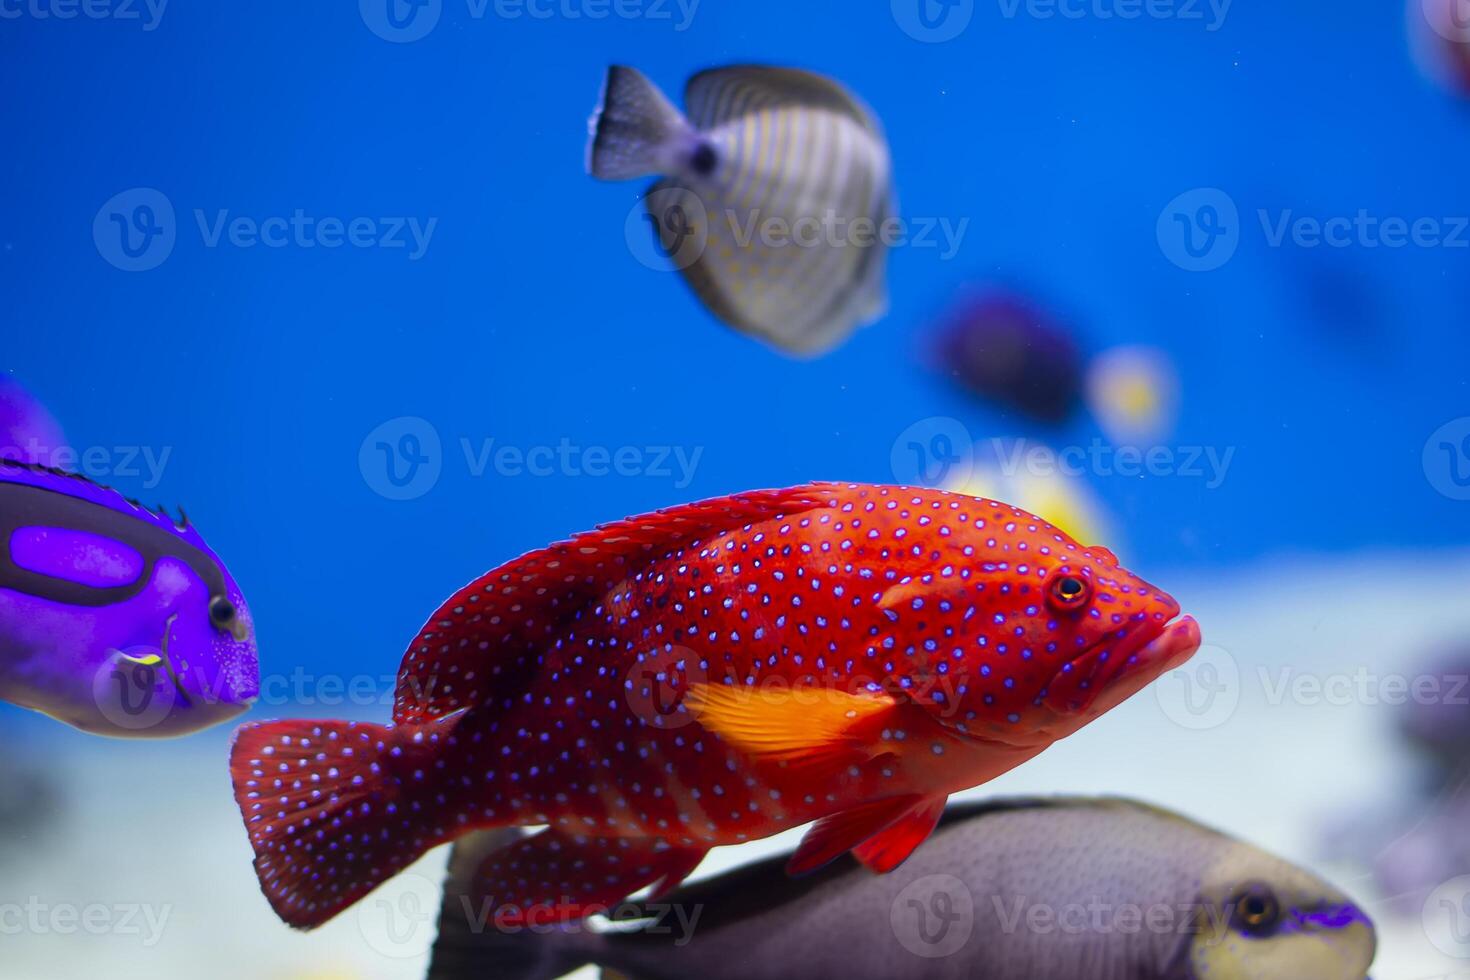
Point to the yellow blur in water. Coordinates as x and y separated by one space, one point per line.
1134 394
1066 502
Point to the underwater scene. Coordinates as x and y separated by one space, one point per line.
658 489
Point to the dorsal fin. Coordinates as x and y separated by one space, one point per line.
42 470
720 94
490 633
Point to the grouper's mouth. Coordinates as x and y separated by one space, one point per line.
1119 667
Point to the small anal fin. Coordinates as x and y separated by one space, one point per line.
554 877
833 835
889 848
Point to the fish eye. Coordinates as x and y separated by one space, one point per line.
221 612
704 160
1256 911
1069 592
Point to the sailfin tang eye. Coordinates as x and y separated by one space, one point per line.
225 617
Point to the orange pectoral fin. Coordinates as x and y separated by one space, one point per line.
801 726
891 847
840 832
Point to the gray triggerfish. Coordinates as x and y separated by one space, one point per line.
113 618
1060 889
775 198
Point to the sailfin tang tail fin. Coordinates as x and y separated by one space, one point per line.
633 129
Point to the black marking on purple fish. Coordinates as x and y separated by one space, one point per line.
168 663
23 505
160 510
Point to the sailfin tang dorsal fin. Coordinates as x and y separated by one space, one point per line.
718 95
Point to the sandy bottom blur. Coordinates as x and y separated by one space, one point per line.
139 868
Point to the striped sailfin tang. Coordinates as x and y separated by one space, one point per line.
719 95
799 161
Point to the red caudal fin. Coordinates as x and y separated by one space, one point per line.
328 808
890 848
558 877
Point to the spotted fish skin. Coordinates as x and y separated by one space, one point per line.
707 675
774 198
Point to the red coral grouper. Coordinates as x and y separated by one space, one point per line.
704 675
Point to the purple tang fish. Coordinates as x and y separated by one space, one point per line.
113 618
28 432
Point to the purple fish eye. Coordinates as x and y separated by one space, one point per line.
222 614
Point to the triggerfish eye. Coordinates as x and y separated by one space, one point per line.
1068 592
1257 911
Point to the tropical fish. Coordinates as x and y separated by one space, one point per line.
1439 726
113 618
1046 889
776 198
705 675
1003 347
28 432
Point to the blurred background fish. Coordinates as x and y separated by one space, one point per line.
113 618
1133 392
1418 841
1004 347
1060 889
1436 721
999 470
776 197
28 432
